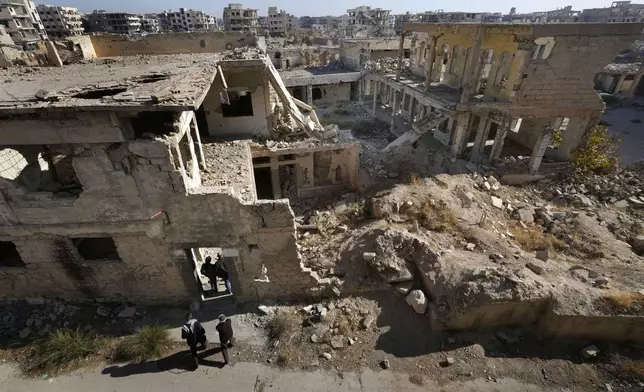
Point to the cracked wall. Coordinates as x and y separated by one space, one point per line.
150 202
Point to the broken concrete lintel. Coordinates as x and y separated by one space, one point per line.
302 104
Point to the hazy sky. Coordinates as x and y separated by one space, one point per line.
326 7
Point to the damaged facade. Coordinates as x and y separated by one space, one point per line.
493 90
112 184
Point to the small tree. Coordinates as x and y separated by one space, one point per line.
598 153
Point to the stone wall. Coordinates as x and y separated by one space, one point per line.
333 93
146 196
108 45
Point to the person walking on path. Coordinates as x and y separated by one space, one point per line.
193 333
225 329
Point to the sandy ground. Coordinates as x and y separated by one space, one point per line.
631 134
246 377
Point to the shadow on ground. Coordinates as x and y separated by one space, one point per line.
179 362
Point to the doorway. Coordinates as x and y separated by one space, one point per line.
207 289
263 183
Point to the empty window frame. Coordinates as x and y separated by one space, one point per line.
96 248
240 104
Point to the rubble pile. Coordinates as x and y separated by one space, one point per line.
387 65
243 53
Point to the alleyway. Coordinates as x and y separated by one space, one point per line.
245 377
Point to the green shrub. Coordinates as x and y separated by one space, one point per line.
598 153
147 343
61 349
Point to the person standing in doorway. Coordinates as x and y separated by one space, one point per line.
218 270
225 330
193 333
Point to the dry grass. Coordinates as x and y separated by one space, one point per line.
532 239
283 324
633 368
147 343
624 303
345 325
283 328
436 216
61 350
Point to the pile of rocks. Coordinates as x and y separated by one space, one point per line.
386 65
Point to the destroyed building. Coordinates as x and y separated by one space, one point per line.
117 172
492 90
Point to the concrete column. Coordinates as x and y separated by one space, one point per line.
309 94
275 178
431 56
198 145
619 84
375 97
499 139
52 54
470 76
635 84
361 91
423 111
401 48
394 109
481 138
460 132
412 109
539 149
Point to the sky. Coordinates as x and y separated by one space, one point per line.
326 7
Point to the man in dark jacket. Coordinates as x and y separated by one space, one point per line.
225 329
193 333
217 270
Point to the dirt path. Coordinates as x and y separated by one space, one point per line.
245 377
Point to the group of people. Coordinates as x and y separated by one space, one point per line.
216 270
195 334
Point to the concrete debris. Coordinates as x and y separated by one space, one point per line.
542 254
525 215
265 310
327 356
315 338
368 321
404 287
351 341
418 301
337 342
384 364
497 202
127 312
590 352
470 246
103 311
449 361
368 256
24 333
536 266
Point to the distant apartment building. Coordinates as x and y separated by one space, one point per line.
618 12
114 22
367 16
305 22
150 23
21 21
61 21
561 15
280 21
186 20
263 23
238 18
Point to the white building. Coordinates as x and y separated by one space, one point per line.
280 21
22 22
187 20
238 18
61 21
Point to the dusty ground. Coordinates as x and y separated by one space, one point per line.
624 123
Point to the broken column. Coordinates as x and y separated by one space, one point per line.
52 54
573 135
470 76
499 139
375 96
460 132
401 47
275 178
540 149
430 61
394 108
481 137
309 94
